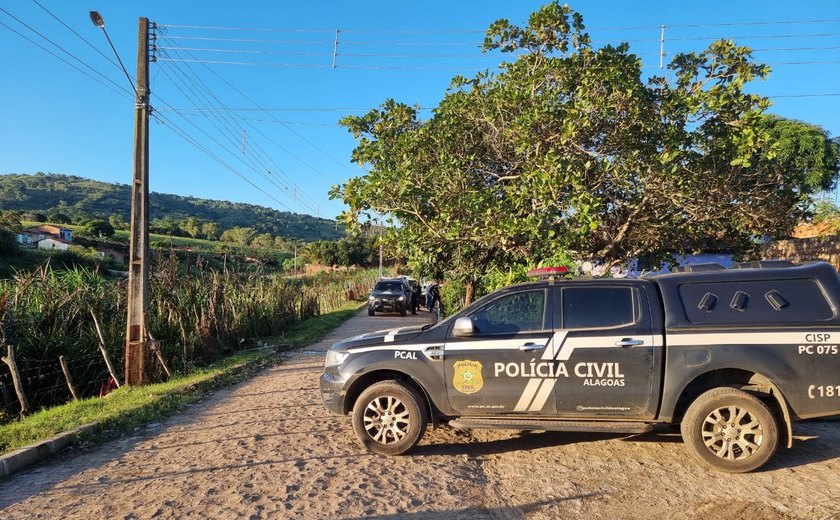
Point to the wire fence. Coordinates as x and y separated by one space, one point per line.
197 314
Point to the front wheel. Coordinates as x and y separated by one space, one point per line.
730 430
390 418
371 312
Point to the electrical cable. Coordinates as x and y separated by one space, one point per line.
201 84
235 154
119 90
92 46
248 98
59 47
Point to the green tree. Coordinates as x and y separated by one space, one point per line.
567 148
167 225
98 228
57 217
801 160
210 230
9 228
35 216
117 222
192 226
241 236
263 241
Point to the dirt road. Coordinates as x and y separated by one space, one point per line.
266 448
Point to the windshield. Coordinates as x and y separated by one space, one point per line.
388 286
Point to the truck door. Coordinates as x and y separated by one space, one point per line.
497 369
607 350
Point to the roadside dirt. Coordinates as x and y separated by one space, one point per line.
267 448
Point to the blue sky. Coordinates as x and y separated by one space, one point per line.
279 87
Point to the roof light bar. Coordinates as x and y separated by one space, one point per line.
548 272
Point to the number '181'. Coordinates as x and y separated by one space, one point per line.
823 391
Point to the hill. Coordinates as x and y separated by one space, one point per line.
76 195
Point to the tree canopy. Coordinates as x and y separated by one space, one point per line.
569 148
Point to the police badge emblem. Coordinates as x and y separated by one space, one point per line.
467 378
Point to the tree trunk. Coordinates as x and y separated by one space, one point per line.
470 293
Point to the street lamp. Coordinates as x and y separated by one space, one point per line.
97 20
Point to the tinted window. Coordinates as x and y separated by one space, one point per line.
755 302
513 313
597 307
389 286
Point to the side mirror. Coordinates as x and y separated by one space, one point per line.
463 327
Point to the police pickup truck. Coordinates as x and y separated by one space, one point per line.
732 356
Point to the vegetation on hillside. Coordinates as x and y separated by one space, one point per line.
65 197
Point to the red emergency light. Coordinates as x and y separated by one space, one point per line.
548 272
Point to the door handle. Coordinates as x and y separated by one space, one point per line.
435 353
528 347
629 342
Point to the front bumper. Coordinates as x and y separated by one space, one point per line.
332 391
383 305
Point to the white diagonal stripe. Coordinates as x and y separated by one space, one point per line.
527 395
546 391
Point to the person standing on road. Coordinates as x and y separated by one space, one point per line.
432 295
415 297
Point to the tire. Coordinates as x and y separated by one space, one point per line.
402 311
371 312
730 430
390 418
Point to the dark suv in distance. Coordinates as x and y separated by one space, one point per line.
390 295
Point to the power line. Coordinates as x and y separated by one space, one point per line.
830 94
224 62
119 90
245 51
239 118
291 109
268 138
247 40
259 159
482 31
92 46
234 153
226 82
183 134
62 49
252 29
752 37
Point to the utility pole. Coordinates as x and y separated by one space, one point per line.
662 48
381 229
138 272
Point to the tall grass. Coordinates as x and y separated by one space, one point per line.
197 313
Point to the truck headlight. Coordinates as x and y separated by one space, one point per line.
401 298
335 358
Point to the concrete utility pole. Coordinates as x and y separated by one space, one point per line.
662 48
138 272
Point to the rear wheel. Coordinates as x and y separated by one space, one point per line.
390 418
730 430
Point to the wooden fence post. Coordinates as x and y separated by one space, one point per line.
9 359
155 346
105 352
68 378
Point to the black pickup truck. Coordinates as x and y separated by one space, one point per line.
732 356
